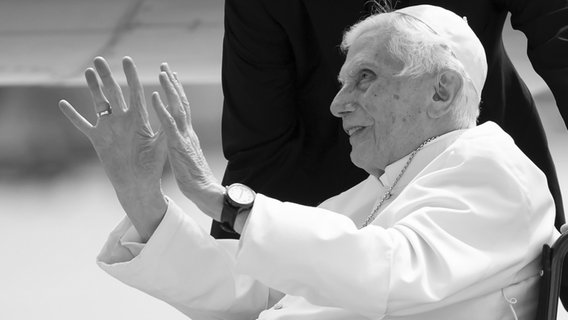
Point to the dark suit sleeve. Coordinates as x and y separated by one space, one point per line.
260 127
545 24
258 81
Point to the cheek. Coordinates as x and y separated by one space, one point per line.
391 105
411 111
407 104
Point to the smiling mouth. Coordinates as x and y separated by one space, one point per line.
353 130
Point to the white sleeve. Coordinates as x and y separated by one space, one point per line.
317 254
185 267
464 229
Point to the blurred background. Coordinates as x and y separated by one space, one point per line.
56 204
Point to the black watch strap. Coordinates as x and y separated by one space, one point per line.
228 217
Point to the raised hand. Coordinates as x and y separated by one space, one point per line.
132 155
193 175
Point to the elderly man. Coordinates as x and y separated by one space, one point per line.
449 224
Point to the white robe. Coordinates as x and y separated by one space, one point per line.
460 239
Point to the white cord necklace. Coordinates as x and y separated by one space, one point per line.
388 193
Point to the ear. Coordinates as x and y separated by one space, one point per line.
448 84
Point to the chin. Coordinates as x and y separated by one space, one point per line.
366 162
358 161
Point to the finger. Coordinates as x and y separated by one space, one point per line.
183 97
110 86
168 123
99 99
137 100
164 67
179 89
174 102
75 118
179 86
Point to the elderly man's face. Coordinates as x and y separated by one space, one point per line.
383 114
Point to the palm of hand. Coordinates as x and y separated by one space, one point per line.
129 150
131 154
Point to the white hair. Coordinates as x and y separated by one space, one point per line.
422 52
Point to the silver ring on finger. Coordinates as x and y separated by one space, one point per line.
105 112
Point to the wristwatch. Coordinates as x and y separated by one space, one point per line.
238 197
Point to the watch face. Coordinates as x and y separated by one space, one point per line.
241 194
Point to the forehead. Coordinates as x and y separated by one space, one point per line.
370 50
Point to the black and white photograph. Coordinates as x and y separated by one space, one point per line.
283 159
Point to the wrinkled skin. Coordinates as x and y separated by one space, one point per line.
133 155
193 175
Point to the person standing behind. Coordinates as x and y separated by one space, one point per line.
280 61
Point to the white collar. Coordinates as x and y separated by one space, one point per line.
422 158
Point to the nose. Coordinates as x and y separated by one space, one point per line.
341 104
